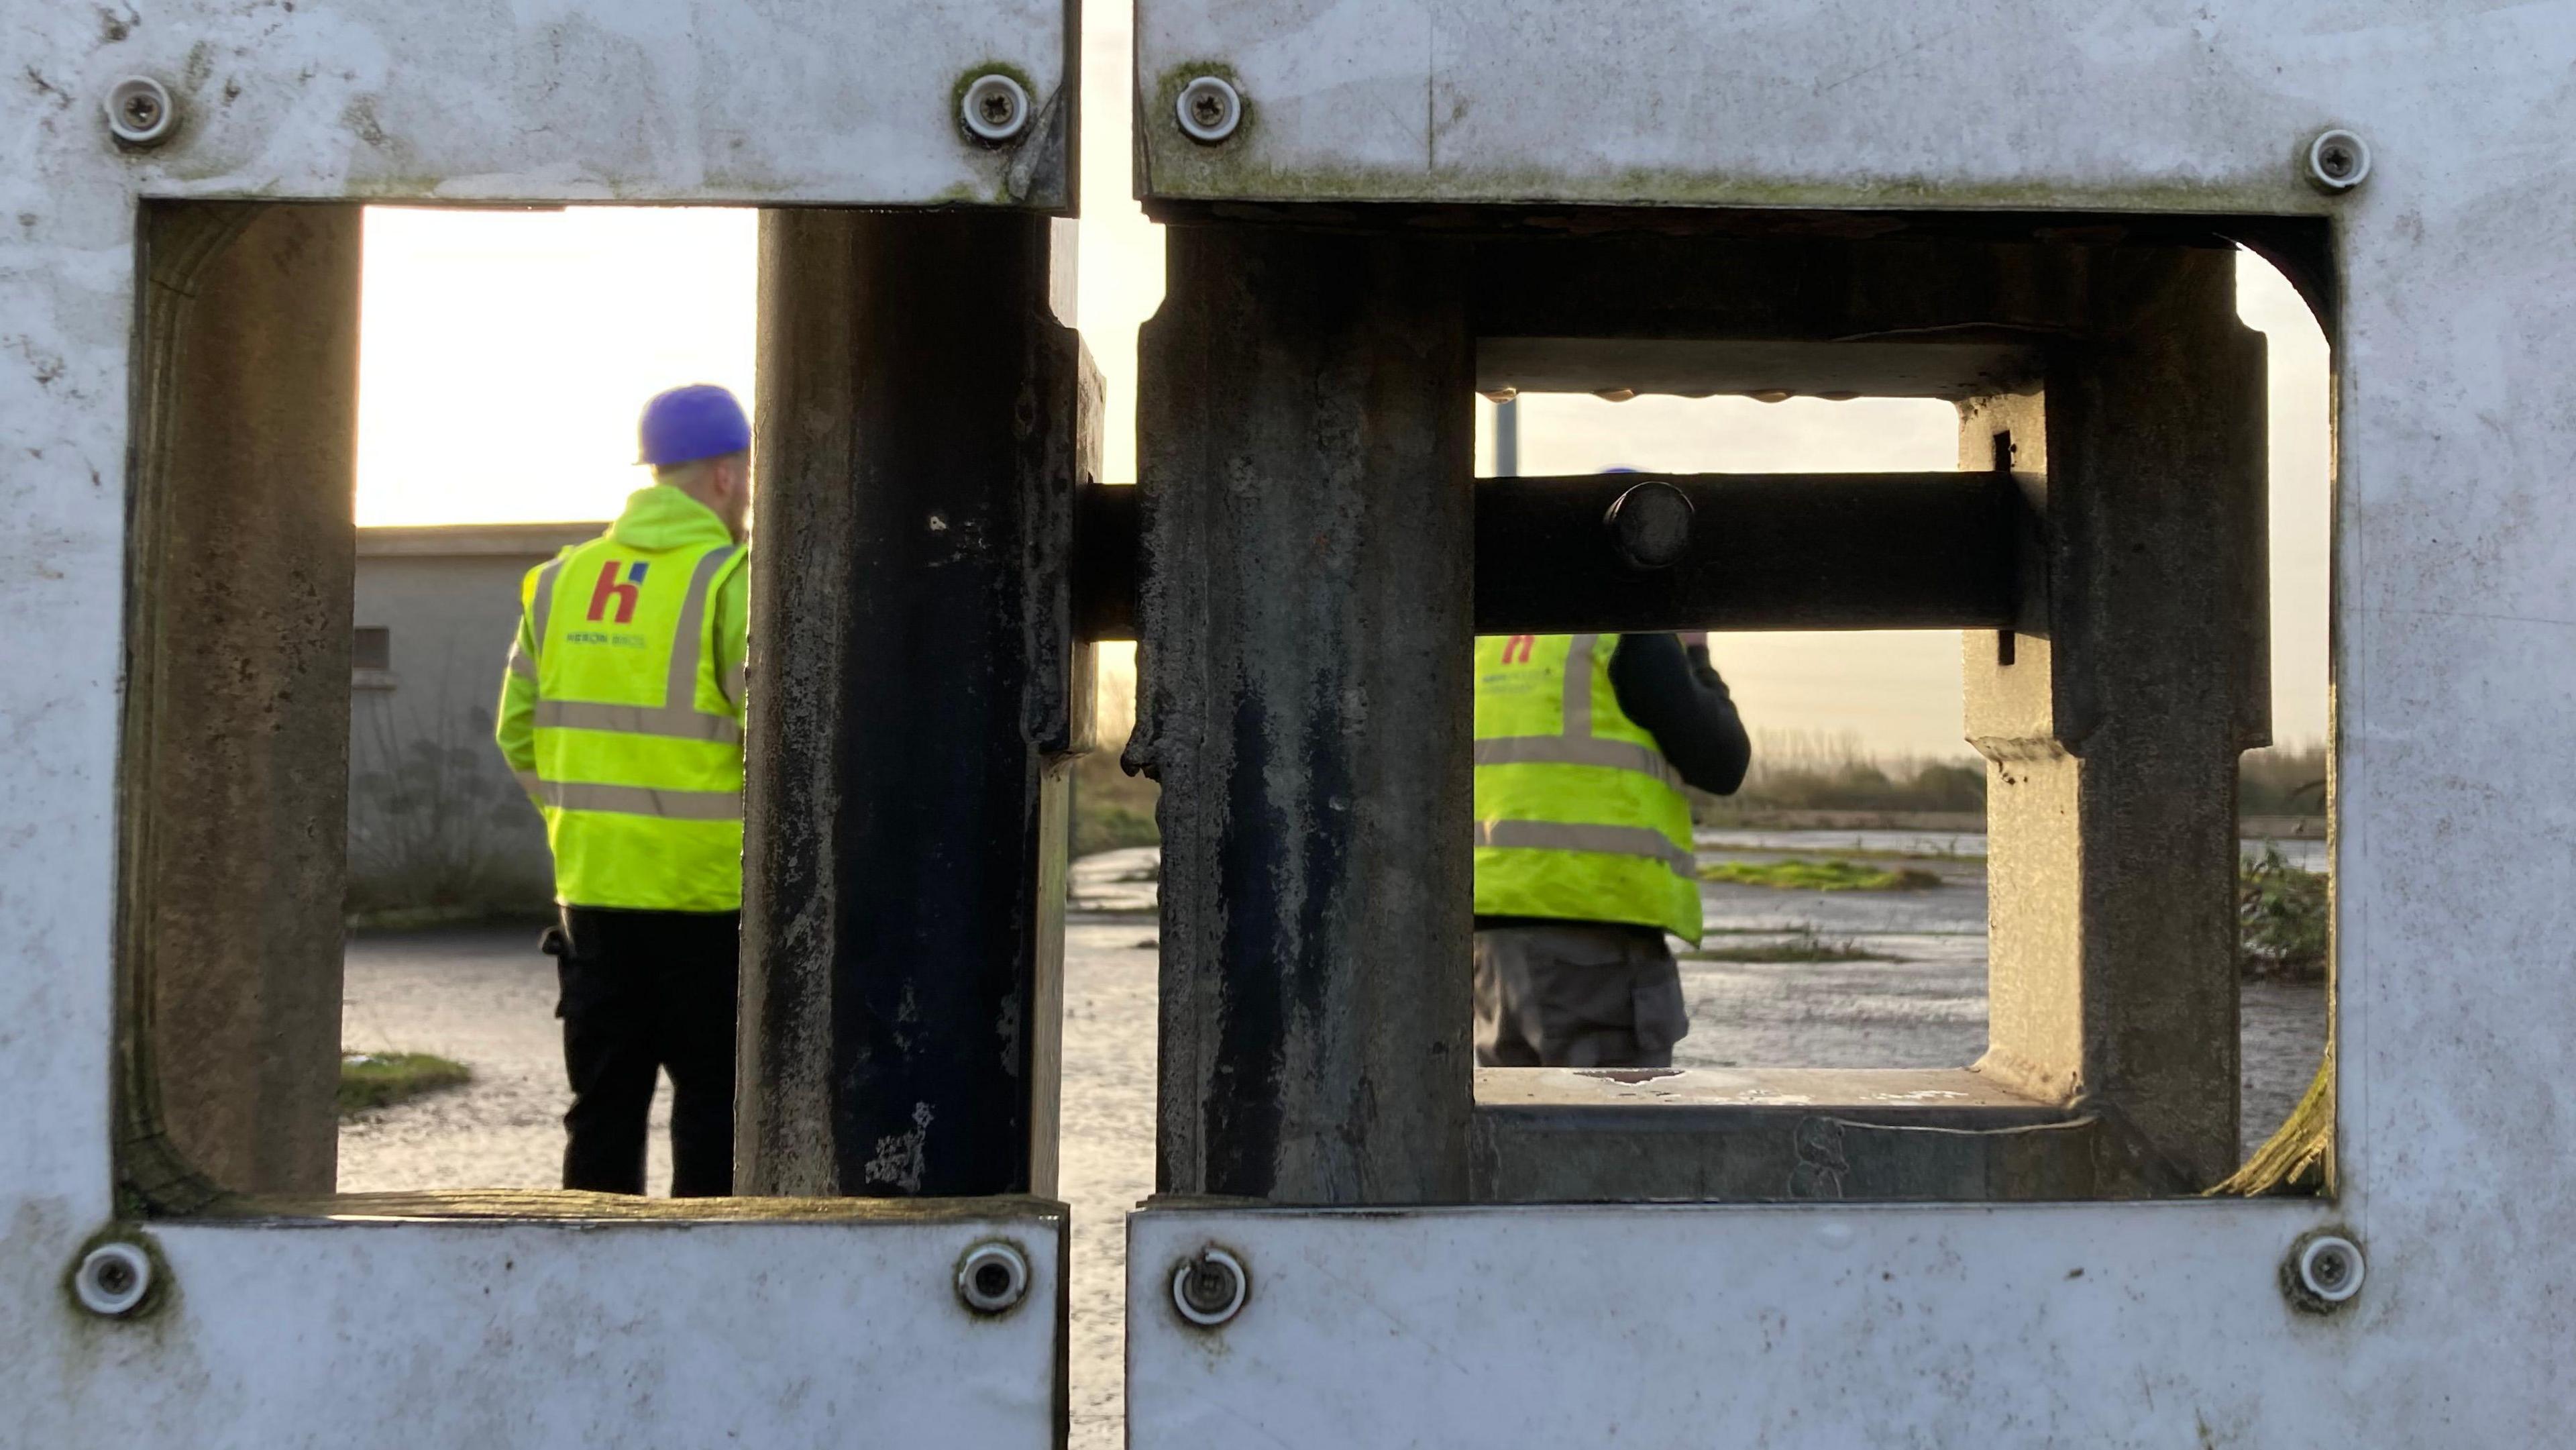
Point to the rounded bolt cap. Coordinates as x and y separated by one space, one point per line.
993 1277
1650 525
1210 1289
1210 109
113 1279
2338 160
995 108
140 112
2324 1272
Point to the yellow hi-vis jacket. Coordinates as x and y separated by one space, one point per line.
621 710
1578 814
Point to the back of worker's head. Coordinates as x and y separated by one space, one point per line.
697 439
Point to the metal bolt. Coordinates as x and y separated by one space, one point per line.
996 108
140 112
993 1277
113 1279
1210 109
1210 1289
1650 525
2324 1271
2338 160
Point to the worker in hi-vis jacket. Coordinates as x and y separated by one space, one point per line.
622 714
1583 841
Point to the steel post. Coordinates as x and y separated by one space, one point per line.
1307 461
242 549
916 694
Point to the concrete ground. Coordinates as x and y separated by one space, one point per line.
486 998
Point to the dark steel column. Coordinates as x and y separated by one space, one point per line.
1307 455
916 695
242 558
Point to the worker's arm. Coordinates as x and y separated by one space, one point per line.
1679 698
515 726
732 637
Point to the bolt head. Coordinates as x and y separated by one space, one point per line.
113 1279
993 1277
2324 1272
1210 109
995 108
140 112
1650 525
2338 160
1211 1287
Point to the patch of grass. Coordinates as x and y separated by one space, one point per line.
1831 874
370 1080
2282 919
1111 828
1803 945
1112 810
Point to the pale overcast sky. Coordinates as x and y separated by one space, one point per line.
505 355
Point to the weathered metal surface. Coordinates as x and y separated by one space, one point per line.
290 1333
1819 1326
2454 406
236 731
1795 551
1306 471
588 1329
1798 551
1548 1135
2165 106
916 690
584 100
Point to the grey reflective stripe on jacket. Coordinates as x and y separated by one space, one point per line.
543 605
1577 750
678 716
642 800
1577 745
1643 841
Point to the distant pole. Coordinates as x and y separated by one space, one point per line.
1507 438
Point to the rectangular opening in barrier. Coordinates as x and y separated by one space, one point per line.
335 876
2115 985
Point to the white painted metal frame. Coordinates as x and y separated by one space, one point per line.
2455 672
329 1331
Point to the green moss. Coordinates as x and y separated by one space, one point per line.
1831 874
381 1079
1180 169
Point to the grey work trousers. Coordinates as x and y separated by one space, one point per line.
1577 994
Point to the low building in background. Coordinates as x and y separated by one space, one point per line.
437 827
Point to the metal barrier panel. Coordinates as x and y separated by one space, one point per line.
359 1332
1780 1327
2164 106
636 101
513 1320
2429 140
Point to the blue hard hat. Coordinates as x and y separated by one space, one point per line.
687 424
1618 468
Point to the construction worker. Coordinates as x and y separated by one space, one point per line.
1583 841
622 712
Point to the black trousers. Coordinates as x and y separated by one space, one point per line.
645 992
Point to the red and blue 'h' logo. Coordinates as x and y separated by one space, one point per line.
625 594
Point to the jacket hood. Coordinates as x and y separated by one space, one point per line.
662 517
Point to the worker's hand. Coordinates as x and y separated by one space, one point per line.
1697 652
